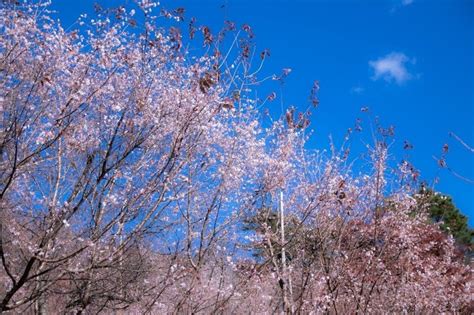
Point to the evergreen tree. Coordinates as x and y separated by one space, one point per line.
441 209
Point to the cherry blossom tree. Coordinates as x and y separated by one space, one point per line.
360 243
129 167
115 142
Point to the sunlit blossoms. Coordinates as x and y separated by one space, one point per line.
130 168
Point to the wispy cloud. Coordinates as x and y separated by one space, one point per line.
392 67
399 4
357 89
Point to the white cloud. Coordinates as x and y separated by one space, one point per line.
398 4
357 89
392 67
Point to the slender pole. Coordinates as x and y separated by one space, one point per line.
282 224
286 275
283 254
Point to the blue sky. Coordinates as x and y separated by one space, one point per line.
410 61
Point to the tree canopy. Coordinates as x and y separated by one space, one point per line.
130 164
442 210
